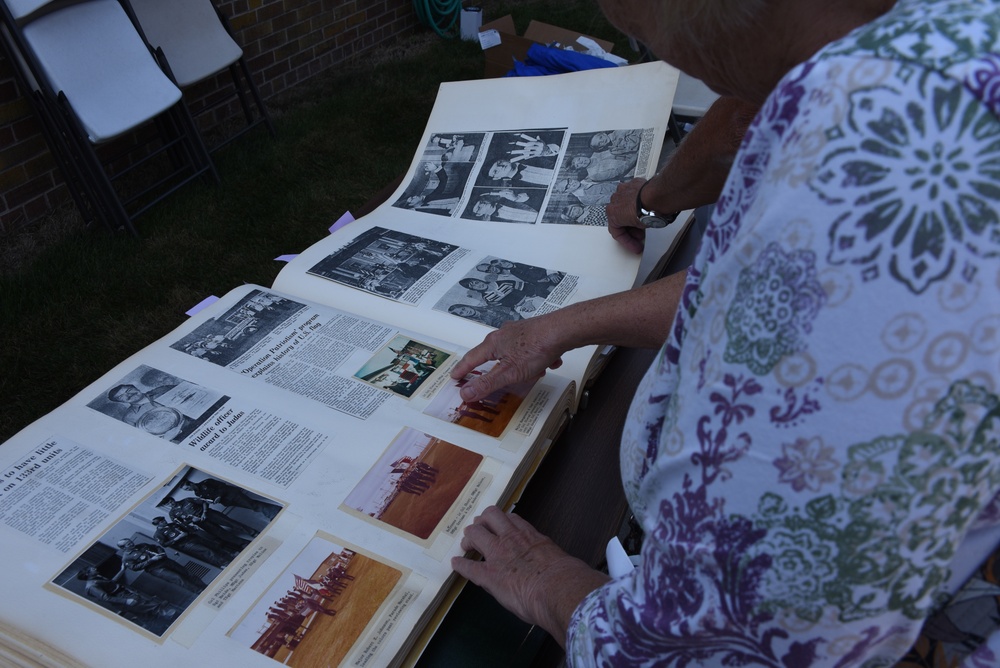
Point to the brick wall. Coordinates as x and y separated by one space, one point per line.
285 43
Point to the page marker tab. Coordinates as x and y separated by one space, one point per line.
489 38
343 220
286 258
204 303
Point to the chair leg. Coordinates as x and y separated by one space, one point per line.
234 73
116 216
185 125
265 116
193 140
66 162
674 129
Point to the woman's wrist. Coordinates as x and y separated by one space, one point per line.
560 592
659 194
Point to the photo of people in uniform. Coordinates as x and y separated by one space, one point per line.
316 610
490 415
402 366
226 338
595 164
415 483
498 290
383 262
159 403
153 564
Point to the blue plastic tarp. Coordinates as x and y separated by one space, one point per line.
542 60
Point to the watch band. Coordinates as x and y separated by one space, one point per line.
650 218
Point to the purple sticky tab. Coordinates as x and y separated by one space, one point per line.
207 301
343 220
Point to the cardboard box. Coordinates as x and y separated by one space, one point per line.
500 57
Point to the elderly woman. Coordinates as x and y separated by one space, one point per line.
814 454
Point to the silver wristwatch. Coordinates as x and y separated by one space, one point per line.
650 218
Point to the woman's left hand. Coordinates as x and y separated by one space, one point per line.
525 571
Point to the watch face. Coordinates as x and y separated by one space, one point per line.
653 221
650 218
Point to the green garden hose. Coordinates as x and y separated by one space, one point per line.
440 15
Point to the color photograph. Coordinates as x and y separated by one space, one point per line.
415 483
402 366
318 608
490 415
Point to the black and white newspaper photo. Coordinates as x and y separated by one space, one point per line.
243 328
498 290
312 353
390 264
159 403
229 429
150 566
439 185
596 164
499 176
527 176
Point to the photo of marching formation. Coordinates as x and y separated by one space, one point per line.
402 366
150 566
224 339
383 262
499 290
446 165
596 163
415 483
515 176
490 415
159 403
318 608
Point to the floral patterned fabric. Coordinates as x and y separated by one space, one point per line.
819 435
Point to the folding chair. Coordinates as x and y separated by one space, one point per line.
197 43
68 168
93 79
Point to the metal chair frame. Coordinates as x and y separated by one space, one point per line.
242 83
92 180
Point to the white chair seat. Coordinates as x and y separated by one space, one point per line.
21 8
692 98
191 35
76 54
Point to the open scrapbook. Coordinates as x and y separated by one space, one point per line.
286 475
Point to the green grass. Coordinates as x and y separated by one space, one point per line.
89 299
